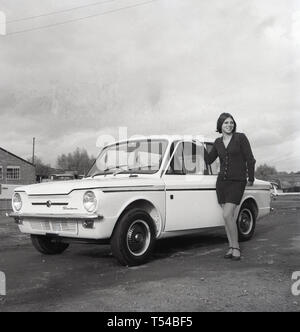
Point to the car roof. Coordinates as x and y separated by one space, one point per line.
169 138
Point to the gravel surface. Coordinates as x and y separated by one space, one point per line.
186 273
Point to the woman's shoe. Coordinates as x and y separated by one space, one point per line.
229 253
236 258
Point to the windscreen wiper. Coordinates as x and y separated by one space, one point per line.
106 170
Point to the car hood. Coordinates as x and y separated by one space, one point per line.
261 184
66 187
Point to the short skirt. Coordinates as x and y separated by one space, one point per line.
229 191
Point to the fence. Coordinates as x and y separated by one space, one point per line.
6 192
5 206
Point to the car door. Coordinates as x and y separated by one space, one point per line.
191 201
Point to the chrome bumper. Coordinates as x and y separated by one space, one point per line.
18 217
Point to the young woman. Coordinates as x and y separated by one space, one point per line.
237 164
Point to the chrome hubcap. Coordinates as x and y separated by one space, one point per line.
138 237
245 221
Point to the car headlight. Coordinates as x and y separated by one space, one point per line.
90 201
17 202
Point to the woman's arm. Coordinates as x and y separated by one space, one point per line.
211 156
248 155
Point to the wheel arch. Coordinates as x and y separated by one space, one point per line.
252 202
147 206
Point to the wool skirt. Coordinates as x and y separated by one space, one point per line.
229 191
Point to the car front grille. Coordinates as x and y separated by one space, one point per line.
69 227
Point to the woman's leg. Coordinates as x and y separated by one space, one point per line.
231 227
227 231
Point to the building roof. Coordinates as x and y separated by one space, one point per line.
25 161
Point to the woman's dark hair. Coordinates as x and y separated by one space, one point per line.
221 120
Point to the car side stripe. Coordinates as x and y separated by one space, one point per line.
130 189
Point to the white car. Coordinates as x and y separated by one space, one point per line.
137 191
275 190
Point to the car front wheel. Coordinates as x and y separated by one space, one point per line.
48 246
246 222
134 237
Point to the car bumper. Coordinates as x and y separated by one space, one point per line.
19 217
65 225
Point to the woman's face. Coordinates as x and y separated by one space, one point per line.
227 126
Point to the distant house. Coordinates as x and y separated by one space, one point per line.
15 170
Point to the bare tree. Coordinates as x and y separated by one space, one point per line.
77 161
265 172
42 170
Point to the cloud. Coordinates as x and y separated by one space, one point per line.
170 67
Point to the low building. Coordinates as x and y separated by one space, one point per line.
15 170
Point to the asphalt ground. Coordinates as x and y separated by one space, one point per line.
186 274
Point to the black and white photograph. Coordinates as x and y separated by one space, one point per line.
149 158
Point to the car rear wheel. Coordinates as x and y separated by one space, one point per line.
133 239
47 245
246 222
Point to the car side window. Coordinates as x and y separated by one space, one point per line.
188 159
215 166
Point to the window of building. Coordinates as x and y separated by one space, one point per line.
13 173
1 172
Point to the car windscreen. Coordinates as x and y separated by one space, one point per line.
138 157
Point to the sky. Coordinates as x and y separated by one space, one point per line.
149 67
